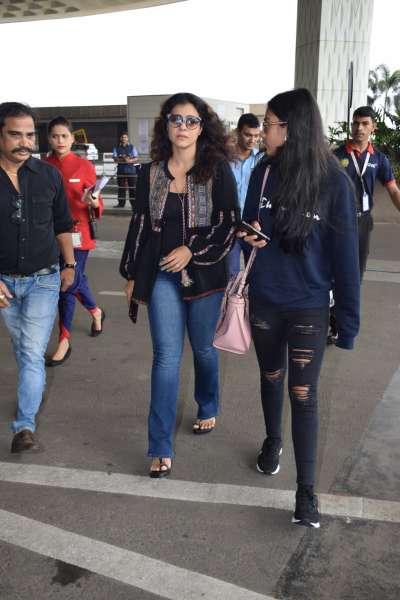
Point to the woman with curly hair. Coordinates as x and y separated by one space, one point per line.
174 260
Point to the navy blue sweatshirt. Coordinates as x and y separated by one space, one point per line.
330 259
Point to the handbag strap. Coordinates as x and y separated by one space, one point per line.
254 250
264 183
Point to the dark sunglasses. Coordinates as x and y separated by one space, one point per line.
16 216
178 120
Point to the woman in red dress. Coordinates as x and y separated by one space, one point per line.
79 178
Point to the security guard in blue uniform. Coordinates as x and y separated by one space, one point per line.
364 164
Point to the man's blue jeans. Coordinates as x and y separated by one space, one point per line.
169 316
29 320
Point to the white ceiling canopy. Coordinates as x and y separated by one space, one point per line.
12 11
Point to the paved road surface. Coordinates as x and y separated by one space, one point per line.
83 520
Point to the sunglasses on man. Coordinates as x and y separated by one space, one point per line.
16 216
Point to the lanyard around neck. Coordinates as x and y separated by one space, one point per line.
357 166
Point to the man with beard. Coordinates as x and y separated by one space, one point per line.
35 226
246 157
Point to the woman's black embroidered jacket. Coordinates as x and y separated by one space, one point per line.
212 215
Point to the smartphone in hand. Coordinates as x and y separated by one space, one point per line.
250 230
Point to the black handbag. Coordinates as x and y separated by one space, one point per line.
92 225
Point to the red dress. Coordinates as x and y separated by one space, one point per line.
78 174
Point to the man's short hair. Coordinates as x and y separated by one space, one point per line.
123 133
15 109
365 111
248 120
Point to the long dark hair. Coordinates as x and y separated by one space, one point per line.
302 166
210 148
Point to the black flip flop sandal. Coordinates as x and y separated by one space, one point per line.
163 471
197 430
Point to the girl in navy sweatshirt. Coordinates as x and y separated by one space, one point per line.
308 210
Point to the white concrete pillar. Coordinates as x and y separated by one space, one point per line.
331 34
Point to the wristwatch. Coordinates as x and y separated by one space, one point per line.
70 265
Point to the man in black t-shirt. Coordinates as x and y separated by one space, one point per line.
35 226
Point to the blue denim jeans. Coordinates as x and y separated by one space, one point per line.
234 258
169 316
29 320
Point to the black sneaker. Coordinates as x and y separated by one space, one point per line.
331 338
268 459
306 512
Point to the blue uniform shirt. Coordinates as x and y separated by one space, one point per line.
242 170
128 150
379 167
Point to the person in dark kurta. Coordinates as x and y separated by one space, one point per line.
79 178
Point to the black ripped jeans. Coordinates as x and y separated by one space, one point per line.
299 334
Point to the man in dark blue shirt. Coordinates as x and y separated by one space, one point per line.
364 164
125 155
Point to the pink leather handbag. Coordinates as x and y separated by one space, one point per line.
233 332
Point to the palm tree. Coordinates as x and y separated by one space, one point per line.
382 82
396 102
373 89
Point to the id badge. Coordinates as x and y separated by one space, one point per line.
76 239
365 202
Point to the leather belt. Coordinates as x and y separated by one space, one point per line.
45 271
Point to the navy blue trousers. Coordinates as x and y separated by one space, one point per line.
79 290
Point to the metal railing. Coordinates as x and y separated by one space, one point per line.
127 183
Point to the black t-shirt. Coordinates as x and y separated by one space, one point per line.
172 234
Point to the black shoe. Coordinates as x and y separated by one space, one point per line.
163 471
331 338
95 332
119 206
268 459
306 512
50 362
24 441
